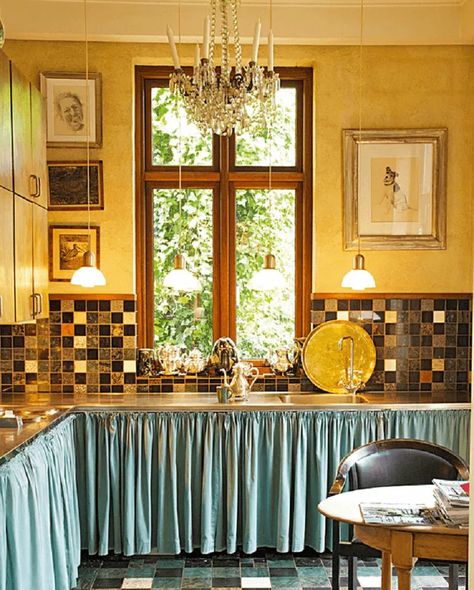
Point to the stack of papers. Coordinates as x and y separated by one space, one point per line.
397 514
452 502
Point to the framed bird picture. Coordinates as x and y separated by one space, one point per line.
67 246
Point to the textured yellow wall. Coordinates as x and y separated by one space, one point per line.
403 87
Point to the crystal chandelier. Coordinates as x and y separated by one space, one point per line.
230 97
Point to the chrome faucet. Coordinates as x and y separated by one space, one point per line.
351 383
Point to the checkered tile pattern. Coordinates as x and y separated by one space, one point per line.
264 569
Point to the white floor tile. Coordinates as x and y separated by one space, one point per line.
137 583
256 583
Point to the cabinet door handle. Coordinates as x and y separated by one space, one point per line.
40 303
1 306
33 302
35 186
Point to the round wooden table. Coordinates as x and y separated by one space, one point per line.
400 545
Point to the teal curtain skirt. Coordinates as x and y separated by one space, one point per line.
167 482
138 482
40 545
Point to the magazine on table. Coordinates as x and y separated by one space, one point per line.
397 514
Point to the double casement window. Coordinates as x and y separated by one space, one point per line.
224 203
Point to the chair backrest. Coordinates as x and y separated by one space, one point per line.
396 462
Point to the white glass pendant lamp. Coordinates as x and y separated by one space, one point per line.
268 277
181 279
358 278
88 275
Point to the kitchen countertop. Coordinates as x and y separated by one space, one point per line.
39 403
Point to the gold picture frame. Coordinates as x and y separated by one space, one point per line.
68 186
395 189
67 245
71 107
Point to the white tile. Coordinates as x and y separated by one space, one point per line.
256 583
390 317
390 364
342 315
369 581
438 317
137 583
80 366
437 364
80 317
80 342
31 366
129 366
129 317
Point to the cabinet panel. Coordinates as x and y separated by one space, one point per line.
40 261
21 132
38 146
7 275
6 167
23 259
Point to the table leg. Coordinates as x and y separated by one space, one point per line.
386 570
402 557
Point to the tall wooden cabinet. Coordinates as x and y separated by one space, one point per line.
23 198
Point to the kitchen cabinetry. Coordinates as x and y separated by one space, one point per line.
29 139
23 198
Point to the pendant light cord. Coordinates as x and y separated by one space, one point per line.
180 160
88 183
361 38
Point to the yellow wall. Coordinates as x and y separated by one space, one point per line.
404 87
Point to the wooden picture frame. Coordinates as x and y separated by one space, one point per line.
72 107
67 245
395 189
68 186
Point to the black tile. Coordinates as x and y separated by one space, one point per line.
108 582
451 304
92 305
79 330
439 304
343 305
354 305
67 317
54 305
367 304
104 330
129 305
79 305
67 342
317 305
18 341
129 330
92 354
330 315
104 305
172 572
80 378
226 582
117 318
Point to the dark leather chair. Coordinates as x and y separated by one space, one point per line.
393 462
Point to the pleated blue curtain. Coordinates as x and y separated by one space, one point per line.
168 482
39 517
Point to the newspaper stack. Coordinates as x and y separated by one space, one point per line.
452 502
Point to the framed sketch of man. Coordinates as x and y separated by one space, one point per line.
72 108
395 189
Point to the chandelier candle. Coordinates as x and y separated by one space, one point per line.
174 53
256 41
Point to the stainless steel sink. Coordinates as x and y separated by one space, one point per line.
313 399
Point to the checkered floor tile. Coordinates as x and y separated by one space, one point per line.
264 569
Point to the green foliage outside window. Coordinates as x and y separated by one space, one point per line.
264 319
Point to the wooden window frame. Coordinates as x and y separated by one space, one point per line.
223 177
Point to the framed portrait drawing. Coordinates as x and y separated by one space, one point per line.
395 189
67 245
73 109
68 186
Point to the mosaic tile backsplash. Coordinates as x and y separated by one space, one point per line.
85 346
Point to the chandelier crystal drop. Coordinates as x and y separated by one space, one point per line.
231 97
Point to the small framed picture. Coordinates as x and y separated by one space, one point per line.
73 109
68 186
395 189
67 245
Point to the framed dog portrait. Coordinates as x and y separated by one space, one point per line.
73 109
67 245
395 189
68 183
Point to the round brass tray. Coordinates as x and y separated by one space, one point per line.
325 364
